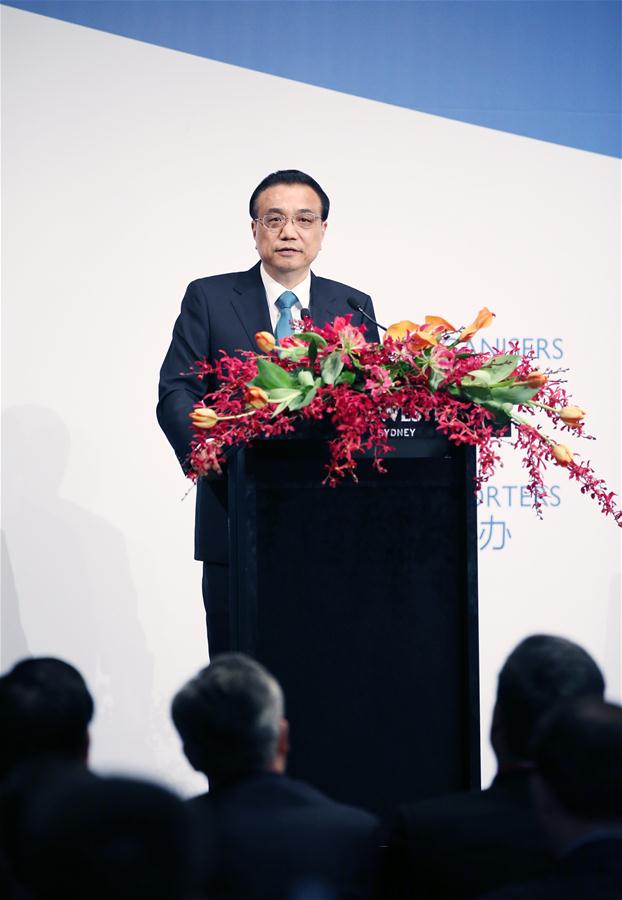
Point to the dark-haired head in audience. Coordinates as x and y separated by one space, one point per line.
45 709
230 718
104 838
577 791
541 672
463 844
577 751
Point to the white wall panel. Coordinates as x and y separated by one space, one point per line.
126 173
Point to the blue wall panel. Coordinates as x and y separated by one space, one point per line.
548 69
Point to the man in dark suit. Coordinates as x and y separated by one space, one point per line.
459 846
45 711
289 212
264 835
577 791
83 836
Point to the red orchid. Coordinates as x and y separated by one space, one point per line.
420 370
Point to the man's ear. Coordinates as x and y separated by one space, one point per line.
86 746
283 741
254 228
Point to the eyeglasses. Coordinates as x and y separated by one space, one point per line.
275 221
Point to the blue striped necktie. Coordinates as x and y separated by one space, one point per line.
284 324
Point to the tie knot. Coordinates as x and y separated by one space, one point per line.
286 300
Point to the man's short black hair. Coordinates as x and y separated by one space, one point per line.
288 176
228 717
45 708
577 749
542 671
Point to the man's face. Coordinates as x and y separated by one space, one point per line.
288 252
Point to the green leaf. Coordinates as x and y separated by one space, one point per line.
477 393
501 367
272 376
346 378
306 378
501 410
493 372
509 393
312 338
313 352
513 393
332 366
299 401
294 354
280 408
309 396
283 395
477 378
436 376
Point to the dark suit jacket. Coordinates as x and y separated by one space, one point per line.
461 845
592 871
225 312
265 837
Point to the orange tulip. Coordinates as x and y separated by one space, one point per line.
536 379
421 339
483 320
572 415
440 325
204 417
256 397
562 454
265 340
399 330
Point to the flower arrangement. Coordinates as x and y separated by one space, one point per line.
426 371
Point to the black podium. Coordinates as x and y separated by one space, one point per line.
362 600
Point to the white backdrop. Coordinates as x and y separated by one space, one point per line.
126 174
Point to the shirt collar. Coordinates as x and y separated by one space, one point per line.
274 289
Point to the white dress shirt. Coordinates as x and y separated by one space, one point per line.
274 291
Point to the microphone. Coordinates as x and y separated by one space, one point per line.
305 314
352 303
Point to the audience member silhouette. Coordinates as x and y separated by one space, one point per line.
265 836
102 838
259 835
577 792
45 709
459 846
19 790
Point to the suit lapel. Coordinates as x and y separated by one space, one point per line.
321 301
250 304
251 307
